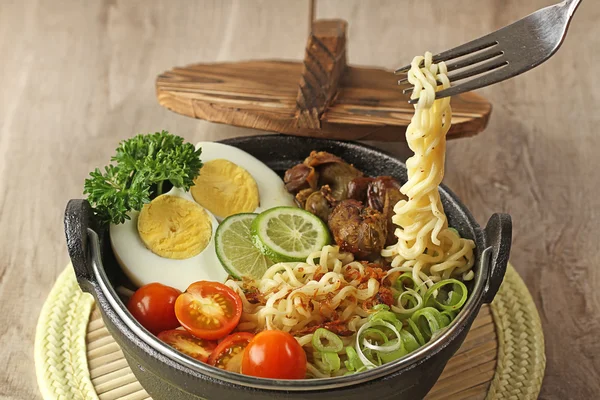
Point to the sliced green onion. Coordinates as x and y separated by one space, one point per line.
381 307
416 332
387 316
428 321
411 297
406 276
454 230
450 314
396 354
384 315
361 369
409 341
370 348
329 362
371 355
372 333
454 300
389 346
334 343
444 320
353 363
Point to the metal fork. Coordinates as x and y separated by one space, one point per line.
506 53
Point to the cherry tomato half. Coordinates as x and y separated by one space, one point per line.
187 343
228 354
208 310
153 306
274 354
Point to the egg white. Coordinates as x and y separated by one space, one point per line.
142 266
271 189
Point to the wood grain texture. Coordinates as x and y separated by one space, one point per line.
368 104
77 77
323 66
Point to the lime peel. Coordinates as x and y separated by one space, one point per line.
289 234
235 249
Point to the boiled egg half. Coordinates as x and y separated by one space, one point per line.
171 241
232 181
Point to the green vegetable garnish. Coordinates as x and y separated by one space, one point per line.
329 362
142 165
455 297
353 363
326 341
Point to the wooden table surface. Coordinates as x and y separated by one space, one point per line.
78 76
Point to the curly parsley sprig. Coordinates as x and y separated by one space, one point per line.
142 165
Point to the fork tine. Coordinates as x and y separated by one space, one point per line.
493 65
405 80
487 79
498 75
402 69
475 45
479 69
477 58
467 48
473 84
408 90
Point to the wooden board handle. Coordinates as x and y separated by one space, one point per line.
324 63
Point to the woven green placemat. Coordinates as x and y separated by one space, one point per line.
63 373
60 357
521 356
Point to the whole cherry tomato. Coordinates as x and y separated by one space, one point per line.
228 354
208 310
276 355
153 306
187 343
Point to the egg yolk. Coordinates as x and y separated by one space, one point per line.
224 189
173 227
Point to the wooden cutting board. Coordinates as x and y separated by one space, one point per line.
320 97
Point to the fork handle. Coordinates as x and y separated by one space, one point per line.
572 6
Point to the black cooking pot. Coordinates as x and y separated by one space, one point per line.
168 374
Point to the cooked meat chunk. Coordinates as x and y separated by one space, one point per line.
382 194
302 196
372 191
377 190
317 158
338 176
357 188
318 169
318 205
300 177
392 196
358 229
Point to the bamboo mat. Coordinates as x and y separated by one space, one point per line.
501 358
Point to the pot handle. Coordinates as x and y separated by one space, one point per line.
78 218
499 236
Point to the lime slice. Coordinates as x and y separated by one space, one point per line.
233 244
289 234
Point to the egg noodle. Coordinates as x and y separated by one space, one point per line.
297 295
426 246
331 287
